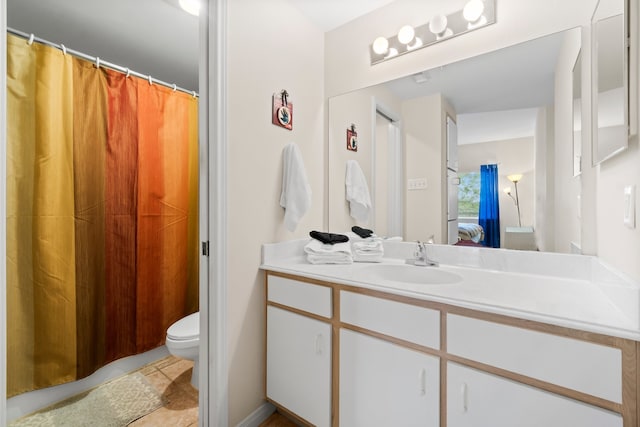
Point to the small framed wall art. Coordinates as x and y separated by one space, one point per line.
282 110
352 139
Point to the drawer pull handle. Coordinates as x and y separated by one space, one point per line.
422 379
319 344
464 397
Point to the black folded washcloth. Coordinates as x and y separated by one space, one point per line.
362 232
329 238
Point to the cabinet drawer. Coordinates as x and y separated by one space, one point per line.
404 321
304 296
579 365
476 398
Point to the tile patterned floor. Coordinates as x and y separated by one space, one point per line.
172 378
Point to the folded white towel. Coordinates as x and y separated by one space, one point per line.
368 245
321 253
357 192
296 191
372 257
370 249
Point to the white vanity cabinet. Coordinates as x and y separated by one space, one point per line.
382 381
476 398
344 356
299 349
383 384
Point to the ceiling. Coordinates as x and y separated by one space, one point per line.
148 36
330 14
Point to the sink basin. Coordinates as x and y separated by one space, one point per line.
412 274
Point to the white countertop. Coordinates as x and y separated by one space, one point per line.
572 291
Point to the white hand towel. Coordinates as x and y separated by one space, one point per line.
321 253
296 191
357 192
370 249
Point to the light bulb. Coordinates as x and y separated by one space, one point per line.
380 45
406 34
515 177
191 6
392 52
438 24
416 44
473 10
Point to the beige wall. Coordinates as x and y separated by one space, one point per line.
271 46
424 132
544 179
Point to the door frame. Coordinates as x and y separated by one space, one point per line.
396 157
214 373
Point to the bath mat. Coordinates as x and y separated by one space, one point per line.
113 404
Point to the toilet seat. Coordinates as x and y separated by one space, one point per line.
185 329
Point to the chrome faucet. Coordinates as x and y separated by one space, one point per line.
421 257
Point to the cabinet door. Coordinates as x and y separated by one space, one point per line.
476 398
383 384
299 365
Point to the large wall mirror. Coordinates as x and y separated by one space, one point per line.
503 104
610 73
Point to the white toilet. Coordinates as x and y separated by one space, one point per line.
183 340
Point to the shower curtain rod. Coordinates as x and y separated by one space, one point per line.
99 62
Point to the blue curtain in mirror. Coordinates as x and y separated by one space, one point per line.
489 212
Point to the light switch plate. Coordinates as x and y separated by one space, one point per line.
630 206
417 184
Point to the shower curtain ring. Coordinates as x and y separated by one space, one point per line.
150 80
31 38
175 87
128 72
64 49
97 62
195 95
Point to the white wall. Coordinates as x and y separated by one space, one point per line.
544 179
618 245
567 188
271 46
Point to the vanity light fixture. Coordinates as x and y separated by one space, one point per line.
474 15
515 178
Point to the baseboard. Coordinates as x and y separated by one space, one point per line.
258 416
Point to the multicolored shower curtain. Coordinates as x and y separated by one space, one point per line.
102 252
